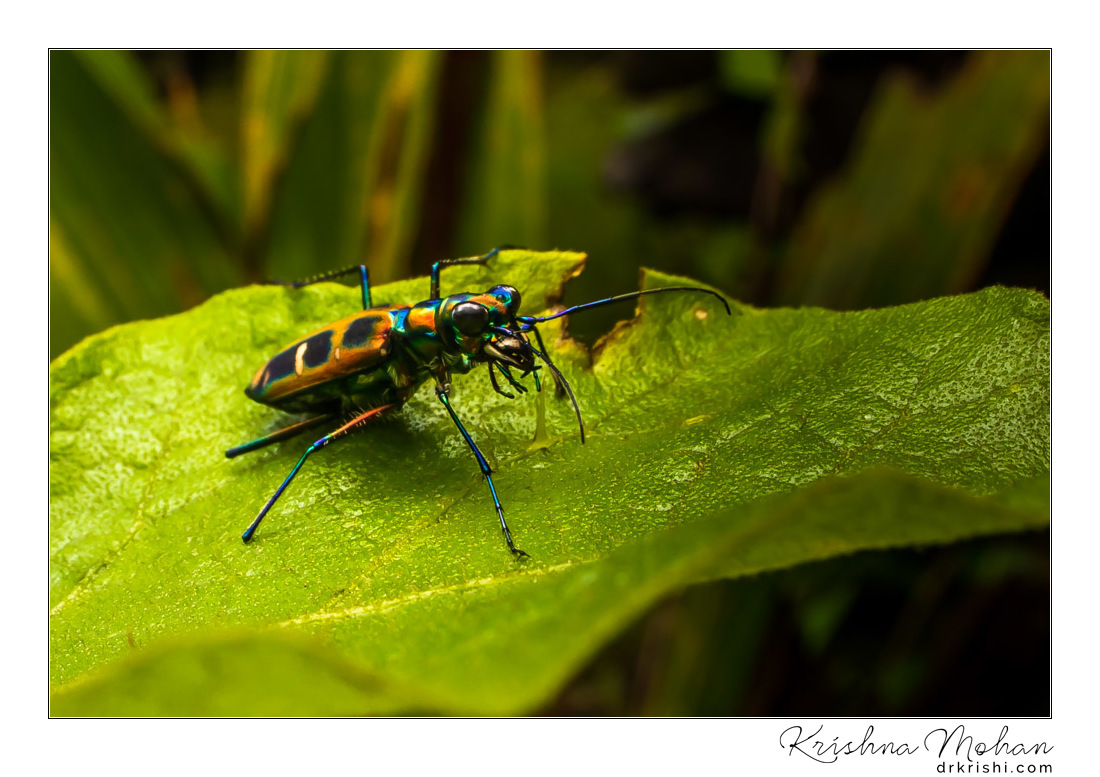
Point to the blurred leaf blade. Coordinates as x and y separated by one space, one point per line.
918 210
199 156
396 161
232 675
581 212
72 291
136 234
279 92
586 208
762 436
753 73
506 198
317 220
784 128
121 78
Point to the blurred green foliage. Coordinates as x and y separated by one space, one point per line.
166 187
917 211
841 179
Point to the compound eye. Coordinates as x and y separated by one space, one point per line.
470 318
509 295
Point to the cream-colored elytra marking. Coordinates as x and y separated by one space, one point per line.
298 356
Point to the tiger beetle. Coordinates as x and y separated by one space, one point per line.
377 359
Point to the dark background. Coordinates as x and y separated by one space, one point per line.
845 179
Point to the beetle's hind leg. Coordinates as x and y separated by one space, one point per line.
279 435
356 423
361 269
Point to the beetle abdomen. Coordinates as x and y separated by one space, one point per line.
359 343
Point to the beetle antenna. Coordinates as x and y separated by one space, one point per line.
529 320
558 387
558 376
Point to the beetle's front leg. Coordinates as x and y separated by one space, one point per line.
493 366
441 391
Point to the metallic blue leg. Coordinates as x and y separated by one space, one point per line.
485 470
364 281
279 435
451 262
247 536
354 424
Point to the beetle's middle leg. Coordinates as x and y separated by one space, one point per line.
441 392
482 260
354 424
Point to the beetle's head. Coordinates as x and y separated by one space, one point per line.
511 350
484 326
488 328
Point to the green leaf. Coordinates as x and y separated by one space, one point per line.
718 446
210 677
918 209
